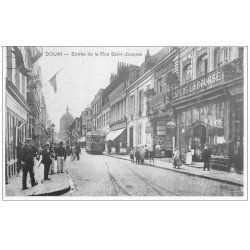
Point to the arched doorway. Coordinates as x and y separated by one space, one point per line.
199 139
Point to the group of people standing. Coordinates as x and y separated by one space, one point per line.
27 155
205 157
139 154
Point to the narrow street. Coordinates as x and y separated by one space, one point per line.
101 175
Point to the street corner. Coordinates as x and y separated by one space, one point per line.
57 185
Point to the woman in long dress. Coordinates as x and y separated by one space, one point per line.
189 158
177 159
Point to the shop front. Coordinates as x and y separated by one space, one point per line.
210 110
116 139
162 126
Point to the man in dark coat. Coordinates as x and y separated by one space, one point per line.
60 157
206 156
46 161
27 159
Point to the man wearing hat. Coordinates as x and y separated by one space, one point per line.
46 161
27 160
61 157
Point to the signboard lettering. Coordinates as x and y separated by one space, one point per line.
212 80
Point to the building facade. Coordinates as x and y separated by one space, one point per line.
208 104
22 101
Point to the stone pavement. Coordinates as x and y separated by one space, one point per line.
59 184
226 177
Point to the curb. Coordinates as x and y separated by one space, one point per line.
190 174
54 193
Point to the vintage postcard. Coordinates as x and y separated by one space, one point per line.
124 123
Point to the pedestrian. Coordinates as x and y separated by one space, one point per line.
151 154
142 153
46 161
189 157
239 159
132 155
61 157
53 155
67 150
137 156
27 161
206 156
177 159
78 151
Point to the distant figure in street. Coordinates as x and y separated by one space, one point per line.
239 159
46 161
151 154
67 150
27 161
78 151
137 156
53 155
189 157
132 155
142 153
206 156
61 157
177 159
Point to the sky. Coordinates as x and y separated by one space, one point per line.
82 74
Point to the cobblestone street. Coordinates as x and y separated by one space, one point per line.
101 175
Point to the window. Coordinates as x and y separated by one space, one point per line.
202 65
139 133
131 106
141 102
221 56
187 73
159 85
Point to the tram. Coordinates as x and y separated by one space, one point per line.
95 143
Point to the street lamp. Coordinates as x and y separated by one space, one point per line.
52 130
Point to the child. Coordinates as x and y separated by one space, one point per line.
132 155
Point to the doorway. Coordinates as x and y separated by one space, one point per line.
199 139
131 136
200 135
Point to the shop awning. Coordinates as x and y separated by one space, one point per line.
82 139
114 134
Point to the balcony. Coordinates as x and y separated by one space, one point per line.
213 79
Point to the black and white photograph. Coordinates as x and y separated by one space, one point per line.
124 122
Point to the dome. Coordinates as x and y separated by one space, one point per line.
66 120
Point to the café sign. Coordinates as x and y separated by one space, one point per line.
209 81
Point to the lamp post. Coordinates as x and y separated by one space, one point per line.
52 130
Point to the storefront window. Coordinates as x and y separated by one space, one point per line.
205 124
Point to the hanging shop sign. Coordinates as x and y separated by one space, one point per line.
171 124
211 80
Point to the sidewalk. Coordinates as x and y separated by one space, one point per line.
58 184
226 177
